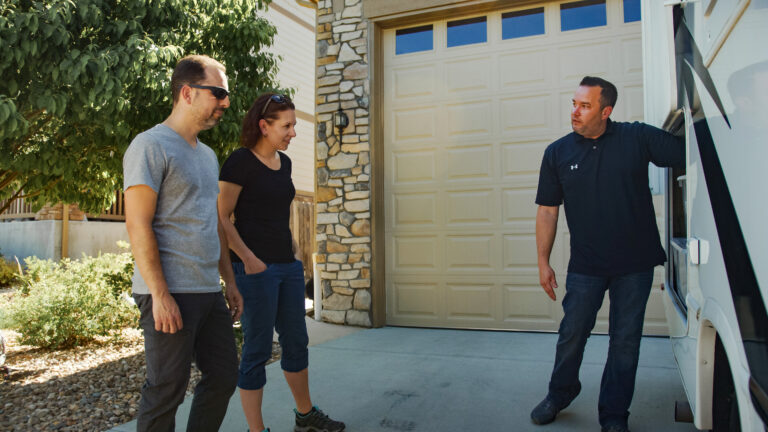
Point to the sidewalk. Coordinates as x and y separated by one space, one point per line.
425 380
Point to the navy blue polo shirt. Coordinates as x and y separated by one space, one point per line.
603 184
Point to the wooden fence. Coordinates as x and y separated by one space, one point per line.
115 213
19 209
303 228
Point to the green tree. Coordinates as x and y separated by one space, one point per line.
80 78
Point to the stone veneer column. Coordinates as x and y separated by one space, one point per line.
343 197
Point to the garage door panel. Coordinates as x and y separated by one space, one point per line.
633 103
415 123
587 58
416 300
518 204
476 207
524 69
525 114
468 74
415 209
565 105
470 302
469 163
474 253
416 81
415 253
522 158
525 310
410 167
470 118
632 58
520 251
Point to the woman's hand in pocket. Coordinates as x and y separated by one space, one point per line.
254 266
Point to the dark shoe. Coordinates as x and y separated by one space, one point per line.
615 428
316 421
545 412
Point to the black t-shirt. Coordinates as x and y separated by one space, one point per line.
603 184
263 209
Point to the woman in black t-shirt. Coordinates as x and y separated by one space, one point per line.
255 185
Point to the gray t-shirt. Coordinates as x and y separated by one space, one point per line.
186 221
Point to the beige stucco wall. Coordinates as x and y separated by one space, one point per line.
294 43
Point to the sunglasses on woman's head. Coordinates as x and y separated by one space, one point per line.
218 92
276 99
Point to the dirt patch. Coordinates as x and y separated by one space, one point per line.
91 388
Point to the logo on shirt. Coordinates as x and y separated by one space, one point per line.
574 167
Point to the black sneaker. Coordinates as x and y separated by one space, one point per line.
316 421
615 428
545 412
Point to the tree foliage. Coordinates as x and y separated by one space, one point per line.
80 78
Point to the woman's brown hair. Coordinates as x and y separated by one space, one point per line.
268 107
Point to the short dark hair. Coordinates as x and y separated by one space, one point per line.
191 70
608 92
251 131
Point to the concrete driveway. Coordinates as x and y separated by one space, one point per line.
403 379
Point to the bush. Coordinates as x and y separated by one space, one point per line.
70 303
9 272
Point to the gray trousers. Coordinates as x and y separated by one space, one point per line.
207 339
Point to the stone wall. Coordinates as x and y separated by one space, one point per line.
343 167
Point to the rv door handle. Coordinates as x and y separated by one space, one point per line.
698 250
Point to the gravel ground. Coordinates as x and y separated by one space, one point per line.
91 388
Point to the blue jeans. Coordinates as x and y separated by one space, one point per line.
272 299
584 296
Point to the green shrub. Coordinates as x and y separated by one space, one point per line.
9 272
70 303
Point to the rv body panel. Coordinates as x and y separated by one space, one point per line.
720 93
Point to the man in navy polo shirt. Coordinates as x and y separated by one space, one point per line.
600 173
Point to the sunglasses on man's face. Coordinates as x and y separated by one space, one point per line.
218 92
276 99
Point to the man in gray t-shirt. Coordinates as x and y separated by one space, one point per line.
171 188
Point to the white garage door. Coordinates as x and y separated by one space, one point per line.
470 104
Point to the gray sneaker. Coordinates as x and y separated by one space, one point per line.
316 421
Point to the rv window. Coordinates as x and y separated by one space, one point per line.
467 31
582 14
413 39
523 23
631 10
678 240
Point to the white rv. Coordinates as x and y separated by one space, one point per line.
706 78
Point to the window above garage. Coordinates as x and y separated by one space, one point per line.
525 24
631 10
529 22
467 31
582 14
414 39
